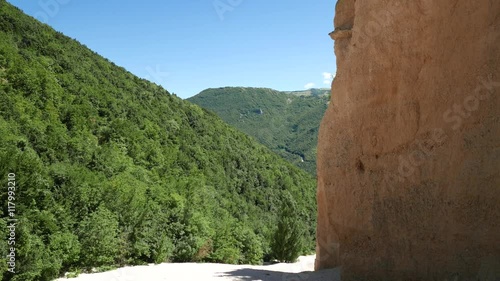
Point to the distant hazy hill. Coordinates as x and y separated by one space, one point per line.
107 169
286 122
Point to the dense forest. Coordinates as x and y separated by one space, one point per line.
285 122
110 169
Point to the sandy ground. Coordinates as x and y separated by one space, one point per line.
299 271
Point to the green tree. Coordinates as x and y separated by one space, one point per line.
288 239
66 247
98 235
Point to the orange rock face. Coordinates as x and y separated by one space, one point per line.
409 149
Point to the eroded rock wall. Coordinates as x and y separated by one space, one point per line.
409 149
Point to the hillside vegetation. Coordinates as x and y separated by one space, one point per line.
286 122
111 169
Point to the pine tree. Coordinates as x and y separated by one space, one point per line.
288 238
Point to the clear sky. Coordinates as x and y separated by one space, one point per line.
190 45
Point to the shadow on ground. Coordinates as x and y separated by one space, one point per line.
249 274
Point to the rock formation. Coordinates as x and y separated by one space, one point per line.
409 149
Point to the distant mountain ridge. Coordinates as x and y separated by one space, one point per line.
286 122
310 92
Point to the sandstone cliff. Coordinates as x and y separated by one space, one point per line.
409 149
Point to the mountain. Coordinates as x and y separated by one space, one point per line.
107 169
286 122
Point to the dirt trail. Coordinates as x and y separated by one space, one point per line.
299 271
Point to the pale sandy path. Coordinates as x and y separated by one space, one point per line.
299 271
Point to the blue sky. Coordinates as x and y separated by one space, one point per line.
190 45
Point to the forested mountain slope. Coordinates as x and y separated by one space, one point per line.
111 169
286 122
